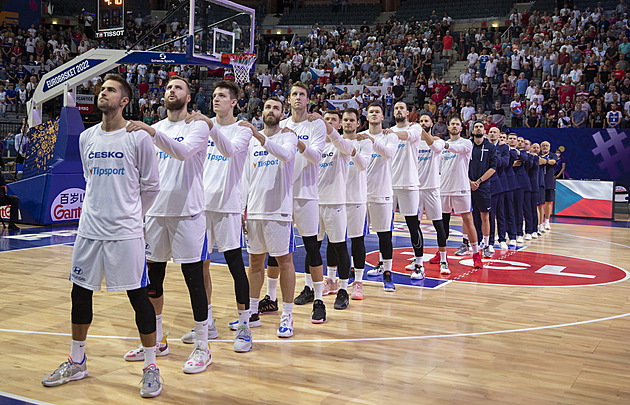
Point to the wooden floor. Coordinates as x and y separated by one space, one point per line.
419 346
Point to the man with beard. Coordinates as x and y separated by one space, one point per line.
267 208
120 170
483 166
175 225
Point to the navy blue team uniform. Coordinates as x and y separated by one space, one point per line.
499 186
520 171
531 200
550 177
482 159
509 194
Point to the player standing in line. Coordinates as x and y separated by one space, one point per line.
509 195
405 182
268 208
380 192
333 170
533 166
483 166
227 150
356 200
540 200
455 186
429 160
550 180
524 186
176 225
122 182
499 185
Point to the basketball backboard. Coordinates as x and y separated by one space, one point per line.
220 27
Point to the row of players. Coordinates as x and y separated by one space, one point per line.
299 171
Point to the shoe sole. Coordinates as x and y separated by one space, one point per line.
416 278
151 394
341 307
284 336
77 376
317 321
243 350
356 297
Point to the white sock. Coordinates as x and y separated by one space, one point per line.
253 305
332 273
351 262
486 240
474 246
272 286
243 317
358 274
201 332
387 264
419 261
159 333
318 288
77 351
287 308
546 222
308 280
210 317
380 257
149 356
442 257
343 284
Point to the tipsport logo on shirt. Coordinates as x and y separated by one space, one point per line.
266 163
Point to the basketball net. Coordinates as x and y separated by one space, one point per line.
241 64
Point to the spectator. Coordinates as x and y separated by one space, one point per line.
613 117
518 108
578 118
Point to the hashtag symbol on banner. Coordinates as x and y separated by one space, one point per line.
621 155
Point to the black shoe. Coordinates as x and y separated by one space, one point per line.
319 312
267 306
341 302
305 296
13 227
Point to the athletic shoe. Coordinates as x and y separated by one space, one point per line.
137 354
503 246
528 236
388 284
254 322
341 302
319 312
491 249
198 361
330 287
357 290
512 242
547 226
520 239
286 326
477 263
535 235
307 295
541 229
444 268
463 250
267 306
486 252
376 271
151 382
189 338
243 340
412 265
418 273
66 372
435 259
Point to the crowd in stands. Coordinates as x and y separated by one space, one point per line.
564 69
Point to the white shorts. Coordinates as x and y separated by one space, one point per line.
357 220
267 236
381 216
182 238
120 262
458 203
407 201
306 216
332 221
224 229
431 203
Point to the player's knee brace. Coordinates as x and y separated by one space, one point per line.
417 241
441 233
343 260
234 260
446 223
157 271
81 305
271 261
193 275
358 252
385 244
331 256
145 313
312 250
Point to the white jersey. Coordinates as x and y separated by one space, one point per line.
455 161
268 178
305 174
333 169
181 150
379 171
122 181
223 169
429 160
356 179
405 160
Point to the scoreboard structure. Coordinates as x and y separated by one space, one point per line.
110 18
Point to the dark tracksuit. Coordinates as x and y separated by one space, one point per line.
482 158
520 193
499 185
509 195
531 224
550 177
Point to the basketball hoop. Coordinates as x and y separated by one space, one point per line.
242 63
